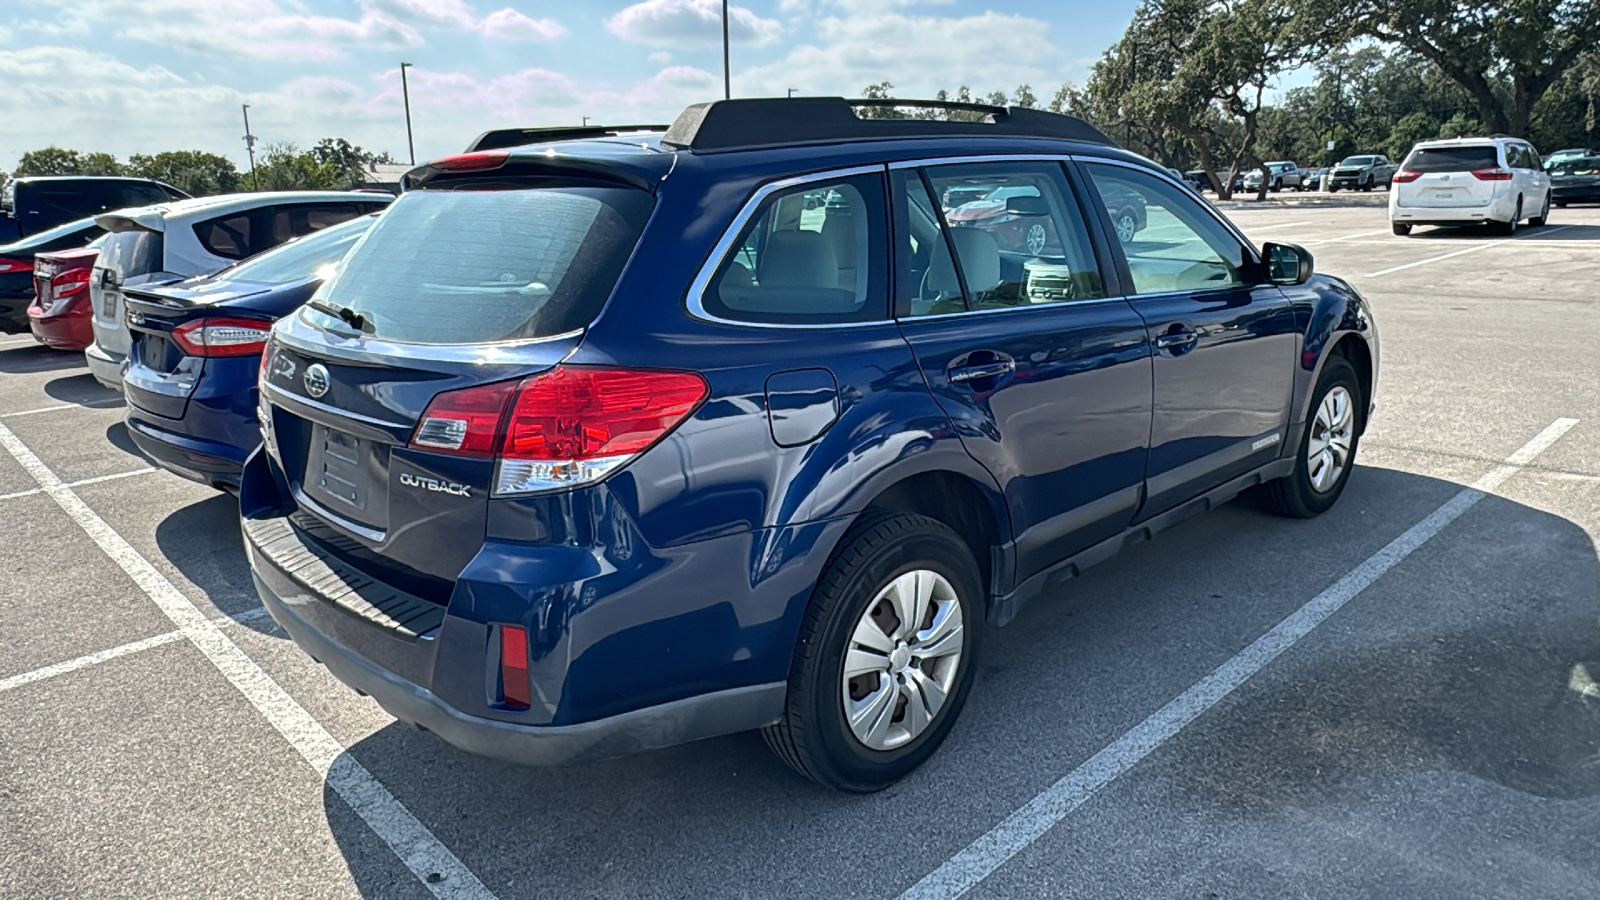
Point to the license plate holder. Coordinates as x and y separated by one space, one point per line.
338 469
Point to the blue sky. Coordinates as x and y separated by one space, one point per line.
129 76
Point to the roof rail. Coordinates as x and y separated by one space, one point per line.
502 138
774 122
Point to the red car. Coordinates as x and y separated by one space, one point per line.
60 314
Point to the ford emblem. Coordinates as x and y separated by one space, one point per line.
316 380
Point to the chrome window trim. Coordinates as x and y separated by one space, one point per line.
1058 304
987 158
724 246
276 391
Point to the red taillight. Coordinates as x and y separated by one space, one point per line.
1406 177
472 162
568 426
1496 174
67 283
222 336
8 264
515 688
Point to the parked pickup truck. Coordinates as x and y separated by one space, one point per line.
1285 174
1363 173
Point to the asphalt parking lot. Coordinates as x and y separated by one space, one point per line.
1398 699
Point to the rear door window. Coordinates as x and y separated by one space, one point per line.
811 255
136 194
474 266
1452 159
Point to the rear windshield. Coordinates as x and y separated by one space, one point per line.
1576 165
132 253
470 266
1452 159
299 259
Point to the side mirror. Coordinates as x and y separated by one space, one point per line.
1027 206
1287 263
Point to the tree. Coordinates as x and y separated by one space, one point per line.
49 161
284 167
348 162
1506 54
192 171
1023 97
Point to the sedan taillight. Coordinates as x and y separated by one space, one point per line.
566 427
11 265
222 336
1495 174
68 283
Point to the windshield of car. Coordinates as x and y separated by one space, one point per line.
87 226
471 266
1358 161
1576 165
1452 159
305 257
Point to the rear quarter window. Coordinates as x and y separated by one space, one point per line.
227 237
474 266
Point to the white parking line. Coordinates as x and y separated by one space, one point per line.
439 870
95 659
1473 249
1347 237
96 480
96 404
1020 829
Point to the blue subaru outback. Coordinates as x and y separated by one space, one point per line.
607 440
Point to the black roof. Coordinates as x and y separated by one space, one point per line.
746 124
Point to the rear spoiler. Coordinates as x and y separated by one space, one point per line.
505 138
143 219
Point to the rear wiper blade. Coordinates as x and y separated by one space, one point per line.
343 313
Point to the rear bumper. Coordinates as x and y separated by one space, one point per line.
208 462
679 722
1500 209
68 329
631 647
105 366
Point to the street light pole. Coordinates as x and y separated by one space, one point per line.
727 76
250 148
405 94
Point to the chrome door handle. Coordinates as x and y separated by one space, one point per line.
963 374
1176 339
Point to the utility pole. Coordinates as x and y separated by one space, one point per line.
250 148
727 75
405 94
791 91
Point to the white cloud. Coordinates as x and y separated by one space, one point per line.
510 25
661 57
504 24
920 54
689 24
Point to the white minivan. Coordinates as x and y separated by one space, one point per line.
1469 181
168 241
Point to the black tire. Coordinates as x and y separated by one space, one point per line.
1400 228
813 736
1544 214
1293 494
1507 229
1366 185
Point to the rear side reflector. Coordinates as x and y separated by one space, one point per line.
1492 174
515 688
566 427
472 162
1405 177
222 336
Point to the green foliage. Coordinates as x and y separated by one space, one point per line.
1412 128
192 171
50 161
282 166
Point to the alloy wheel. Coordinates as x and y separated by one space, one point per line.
1127 227
1332 434
902 660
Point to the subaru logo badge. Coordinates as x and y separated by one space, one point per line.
316 380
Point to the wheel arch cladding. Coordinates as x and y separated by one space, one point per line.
955 501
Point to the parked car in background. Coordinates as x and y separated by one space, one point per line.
1468 181
1284 174
17 262
1362 173
195 353
60 315
1313 179
1196 178
30 205
1551 160
169 241
571 459
1575 178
